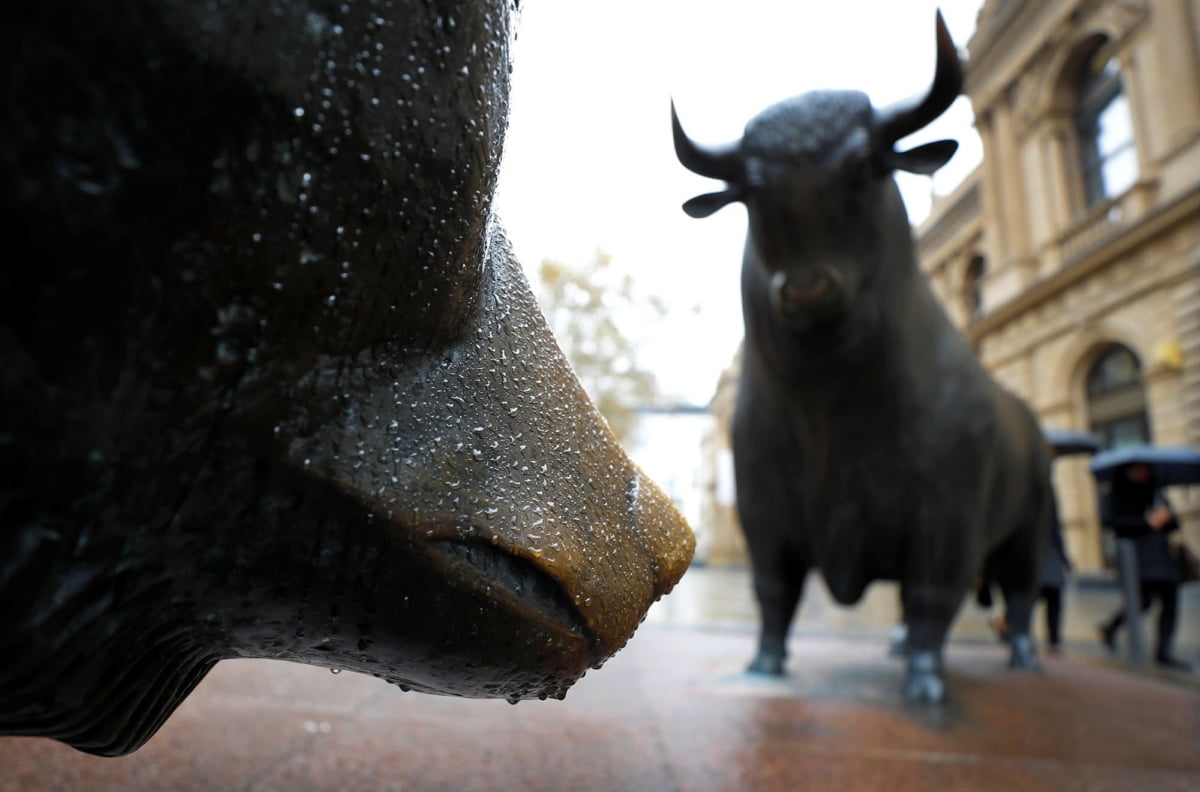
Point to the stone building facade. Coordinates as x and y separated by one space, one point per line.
1071 256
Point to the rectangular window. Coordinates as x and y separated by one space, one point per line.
1114 139
1105 127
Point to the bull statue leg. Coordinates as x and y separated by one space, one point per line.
770 508
929 610
779 570
778 585
1014 567
1018 606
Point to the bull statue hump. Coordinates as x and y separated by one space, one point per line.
869 443
274 384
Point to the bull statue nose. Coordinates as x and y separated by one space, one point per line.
798 291
631 563
668 539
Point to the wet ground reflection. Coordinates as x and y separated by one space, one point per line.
723 598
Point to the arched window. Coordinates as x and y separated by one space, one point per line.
973 286
1104 125
1117 398
1116 401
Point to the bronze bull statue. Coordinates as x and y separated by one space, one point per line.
869 443
273 383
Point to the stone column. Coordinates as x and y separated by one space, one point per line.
1057 130
1175 73
1139 82
993 186
1012 185
1188 319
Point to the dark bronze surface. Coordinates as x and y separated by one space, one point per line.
273 382
868 441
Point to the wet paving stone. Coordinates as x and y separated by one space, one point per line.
674 711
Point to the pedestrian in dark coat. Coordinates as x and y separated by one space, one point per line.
1136 509
1055 565
1052 577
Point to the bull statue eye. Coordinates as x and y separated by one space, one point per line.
858 171
858 161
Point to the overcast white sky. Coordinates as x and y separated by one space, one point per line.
589 160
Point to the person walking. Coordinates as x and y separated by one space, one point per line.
1134 508
1055 566
1052 577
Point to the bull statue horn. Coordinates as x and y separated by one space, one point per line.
907 116
715 162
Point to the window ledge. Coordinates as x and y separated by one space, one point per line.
1155 221
1099 224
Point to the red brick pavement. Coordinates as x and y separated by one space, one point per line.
671 712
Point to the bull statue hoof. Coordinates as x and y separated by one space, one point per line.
768 663
1024 655
924 683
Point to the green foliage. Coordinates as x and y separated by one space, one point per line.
593 311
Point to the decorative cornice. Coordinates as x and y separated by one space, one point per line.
993 18
1158 221
1119 17
995 37
1005 46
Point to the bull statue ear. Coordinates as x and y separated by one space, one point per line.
924 159
704 205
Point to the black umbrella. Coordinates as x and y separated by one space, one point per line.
1067 441
1169 465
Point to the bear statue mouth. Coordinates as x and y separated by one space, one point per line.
516 582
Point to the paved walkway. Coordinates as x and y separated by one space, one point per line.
723 597
674 712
